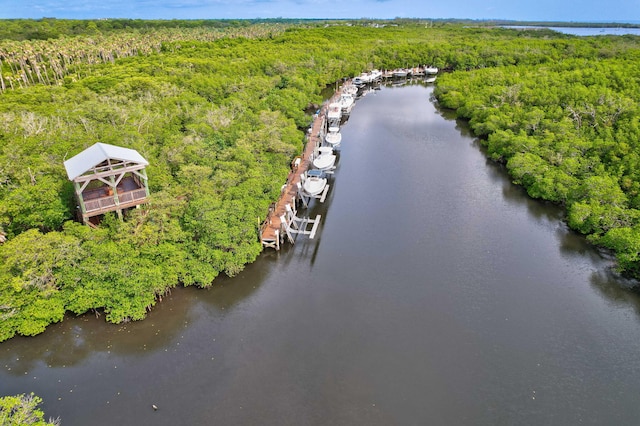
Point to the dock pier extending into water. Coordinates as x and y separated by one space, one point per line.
281 221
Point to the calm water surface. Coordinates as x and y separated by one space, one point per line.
585 31
435 293
620 31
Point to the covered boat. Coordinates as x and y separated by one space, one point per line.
375 75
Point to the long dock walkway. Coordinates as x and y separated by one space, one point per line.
272 229
281 220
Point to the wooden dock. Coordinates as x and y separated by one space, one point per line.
281 221
419 71
273 231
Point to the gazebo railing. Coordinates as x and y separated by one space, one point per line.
130 196
108 203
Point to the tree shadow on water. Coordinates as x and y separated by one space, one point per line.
619 291
228 292
77 338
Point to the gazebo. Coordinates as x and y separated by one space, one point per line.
108 178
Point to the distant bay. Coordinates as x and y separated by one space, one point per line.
584 31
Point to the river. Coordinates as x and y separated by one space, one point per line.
435 292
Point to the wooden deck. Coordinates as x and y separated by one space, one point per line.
98 201
108 203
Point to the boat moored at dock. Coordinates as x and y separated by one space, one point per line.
346 102
400 73
367 77
350 89
430 70
334 137
334 112
326 160
309 175
313 182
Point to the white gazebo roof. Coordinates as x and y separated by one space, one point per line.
97 154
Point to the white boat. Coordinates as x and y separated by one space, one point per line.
400 72
431 70
430 79
346 102
375 75
362 79
325 150
334 137
324 161
367 77
350 89
334 112
313 184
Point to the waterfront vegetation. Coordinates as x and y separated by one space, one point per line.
22 410
568 130
219 109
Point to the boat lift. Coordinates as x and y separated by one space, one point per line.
305 197
294 225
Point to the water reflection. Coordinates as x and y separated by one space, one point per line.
75 339
621 292
228 293
609 284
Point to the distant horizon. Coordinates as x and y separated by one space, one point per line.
501 20
565 11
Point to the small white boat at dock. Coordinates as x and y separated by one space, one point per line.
346 102
431 70
367 77
334 112
326 160
400 73
313 182
325 150
350 89
334 137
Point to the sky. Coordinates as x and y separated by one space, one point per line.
528 10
